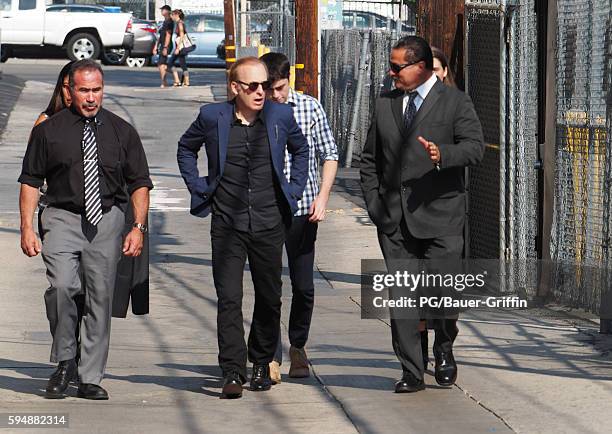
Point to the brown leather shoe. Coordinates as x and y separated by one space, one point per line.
300 368
275 374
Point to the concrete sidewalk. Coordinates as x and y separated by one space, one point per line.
519 371
10 89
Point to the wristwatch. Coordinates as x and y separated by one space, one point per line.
142 228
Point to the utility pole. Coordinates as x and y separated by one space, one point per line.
230 33
307 47
440 22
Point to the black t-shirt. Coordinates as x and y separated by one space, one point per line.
54 154
166 27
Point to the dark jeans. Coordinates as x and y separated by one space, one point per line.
182 59
300 246
230 249
405 336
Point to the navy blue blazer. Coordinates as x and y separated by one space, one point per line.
211 129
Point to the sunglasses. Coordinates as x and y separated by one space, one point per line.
254 85
397 68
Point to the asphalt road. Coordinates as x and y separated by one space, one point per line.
46 71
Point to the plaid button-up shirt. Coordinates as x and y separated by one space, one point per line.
311 118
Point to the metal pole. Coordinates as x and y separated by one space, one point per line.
504 145
363 65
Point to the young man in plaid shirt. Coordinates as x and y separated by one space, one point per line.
301 236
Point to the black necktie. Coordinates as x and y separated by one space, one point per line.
93 204
411 110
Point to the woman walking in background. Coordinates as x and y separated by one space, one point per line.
441 68
183 47
61 96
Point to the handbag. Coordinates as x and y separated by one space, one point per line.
185 45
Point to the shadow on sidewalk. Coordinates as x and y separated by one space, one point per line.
210 384
35 384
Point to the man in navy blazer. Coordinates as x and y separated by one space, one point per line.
250 200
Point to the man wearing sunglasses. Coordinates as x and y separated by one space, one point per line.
251 203
422 136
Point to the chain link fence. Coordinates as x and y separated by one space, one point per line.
483 84
349 101
522 149
265 25
503 191
581 220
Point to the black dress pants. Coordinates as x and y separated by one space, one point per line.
405 336
300 247
230 249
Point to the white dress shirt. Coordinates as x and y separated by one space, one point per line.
423 91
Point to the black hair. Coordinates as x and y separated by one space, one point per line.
84 65
57 99
417 49
278 66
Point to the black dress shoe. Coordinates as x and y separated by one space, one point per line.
409 383
58 382
92 391
232 386
446 368
260 380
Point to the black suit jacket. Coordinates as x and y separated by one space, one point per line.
397 176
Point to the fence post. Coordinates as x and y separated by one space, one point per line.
361 77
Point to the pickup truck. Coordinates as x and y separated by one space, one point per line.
83 34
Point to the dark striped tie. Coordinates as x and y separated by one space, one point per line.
93 203
411 110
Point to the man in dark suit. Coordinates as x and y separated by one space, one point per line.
422 136
251 201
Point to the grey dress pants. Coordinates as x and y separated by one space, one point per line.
71 242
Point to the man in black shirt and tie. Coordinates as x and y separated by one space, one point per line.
93 162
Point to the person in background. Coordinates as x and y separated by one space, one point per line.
179 52
164 42
61 95
301 235
441 68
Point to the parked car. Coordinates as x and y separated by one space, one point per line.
207 32
145 36
371 20
83 32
